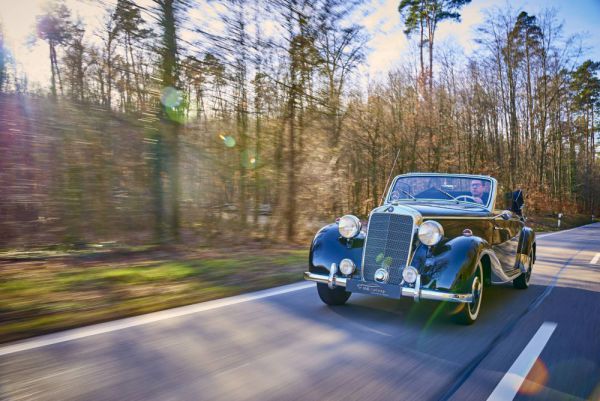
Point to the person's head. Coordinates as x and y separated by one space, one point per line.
477 188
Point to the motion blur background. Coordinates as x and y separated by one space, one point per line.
210 140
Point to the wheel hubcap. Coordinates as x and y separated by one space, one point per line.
476 293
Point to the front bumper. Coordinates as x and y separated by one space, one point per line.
416 293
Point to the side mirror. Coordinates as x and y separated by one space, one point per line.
518 201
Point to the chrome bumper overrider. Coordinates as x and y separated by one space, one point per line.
416 293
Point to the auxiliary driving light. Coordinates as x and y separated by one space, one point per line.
347 266
409 274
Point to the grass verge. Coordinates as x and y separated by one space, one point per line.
547 223
41 295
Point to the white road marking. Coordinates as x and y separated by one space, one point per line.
108 327
542 235
508 387
595 259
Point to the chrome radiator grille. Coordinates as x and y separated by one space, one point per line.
389 238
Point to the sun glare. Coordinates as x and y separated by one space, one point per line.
18 18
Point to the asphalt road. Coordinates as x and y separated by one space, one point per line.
284 344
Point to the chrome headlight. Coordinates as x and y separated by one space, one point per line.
430 232
349 226
347 266
409 274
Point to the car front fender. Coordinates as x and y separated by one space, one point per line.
329 247
450 265
526 245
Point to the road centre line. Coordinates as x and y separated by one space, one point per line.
595 259
508 387
101 328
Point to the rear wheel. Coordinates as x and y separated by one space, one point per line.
470 311
336 296
522 282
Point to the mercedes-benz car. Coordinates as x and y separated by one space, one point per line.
435 236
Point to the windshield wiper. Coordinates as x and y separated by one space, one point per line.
467 203
406 193
457 202
447 194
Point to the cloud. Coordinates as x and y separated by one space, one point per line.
381 20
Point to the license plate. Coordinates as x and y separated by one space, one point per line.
372 288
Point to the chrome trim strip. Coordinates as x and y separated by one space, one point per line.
437 296
458 218
406 292
331 279
417 288
320 278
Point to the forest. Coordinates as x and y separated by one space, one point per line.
259 122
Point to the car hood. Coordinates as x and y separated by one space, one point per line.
449 210
423 210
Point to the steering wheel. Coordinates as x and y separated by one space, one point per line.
468 198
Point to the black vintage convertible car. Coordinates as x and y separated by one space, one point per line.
436 236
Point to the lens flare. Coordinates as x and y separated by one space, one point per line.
170 97
229 141
536 379
581 370
248 159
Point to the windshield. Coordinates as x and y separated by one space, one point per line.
475 190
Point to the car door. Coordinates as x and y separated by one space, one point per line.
505 241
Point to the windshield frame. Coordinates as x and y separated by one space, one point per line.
492 196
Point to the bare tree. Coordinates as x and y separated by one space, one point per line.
55 27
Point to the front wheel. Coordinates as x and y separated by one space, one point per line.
336 296
469 312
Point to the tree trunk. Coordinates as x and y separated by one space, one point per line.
138 90
291 193
53 77
171 128
431 37
421 43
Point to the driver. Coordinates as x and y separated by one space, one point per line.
477 192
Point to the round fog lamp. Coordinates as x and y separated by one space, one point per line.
409 274
347 266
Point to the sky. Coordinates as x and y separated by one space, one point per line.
388 47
